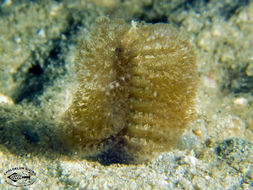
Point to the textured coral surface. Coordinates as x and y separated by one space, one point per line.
136 84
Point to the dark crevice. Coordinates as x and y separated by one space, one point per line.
41 68
36 69
29 136
227 11
116 154
151 14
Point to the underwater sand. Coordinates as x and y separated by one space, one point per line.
38 44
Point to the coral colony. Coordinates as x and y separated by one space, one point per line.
136 88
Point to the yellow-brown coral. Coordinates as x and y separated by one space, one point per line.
137 85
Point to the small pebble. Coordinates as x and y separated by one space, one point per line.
241 101
5 99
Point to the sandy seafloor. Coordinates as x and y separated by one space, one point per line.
38 42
